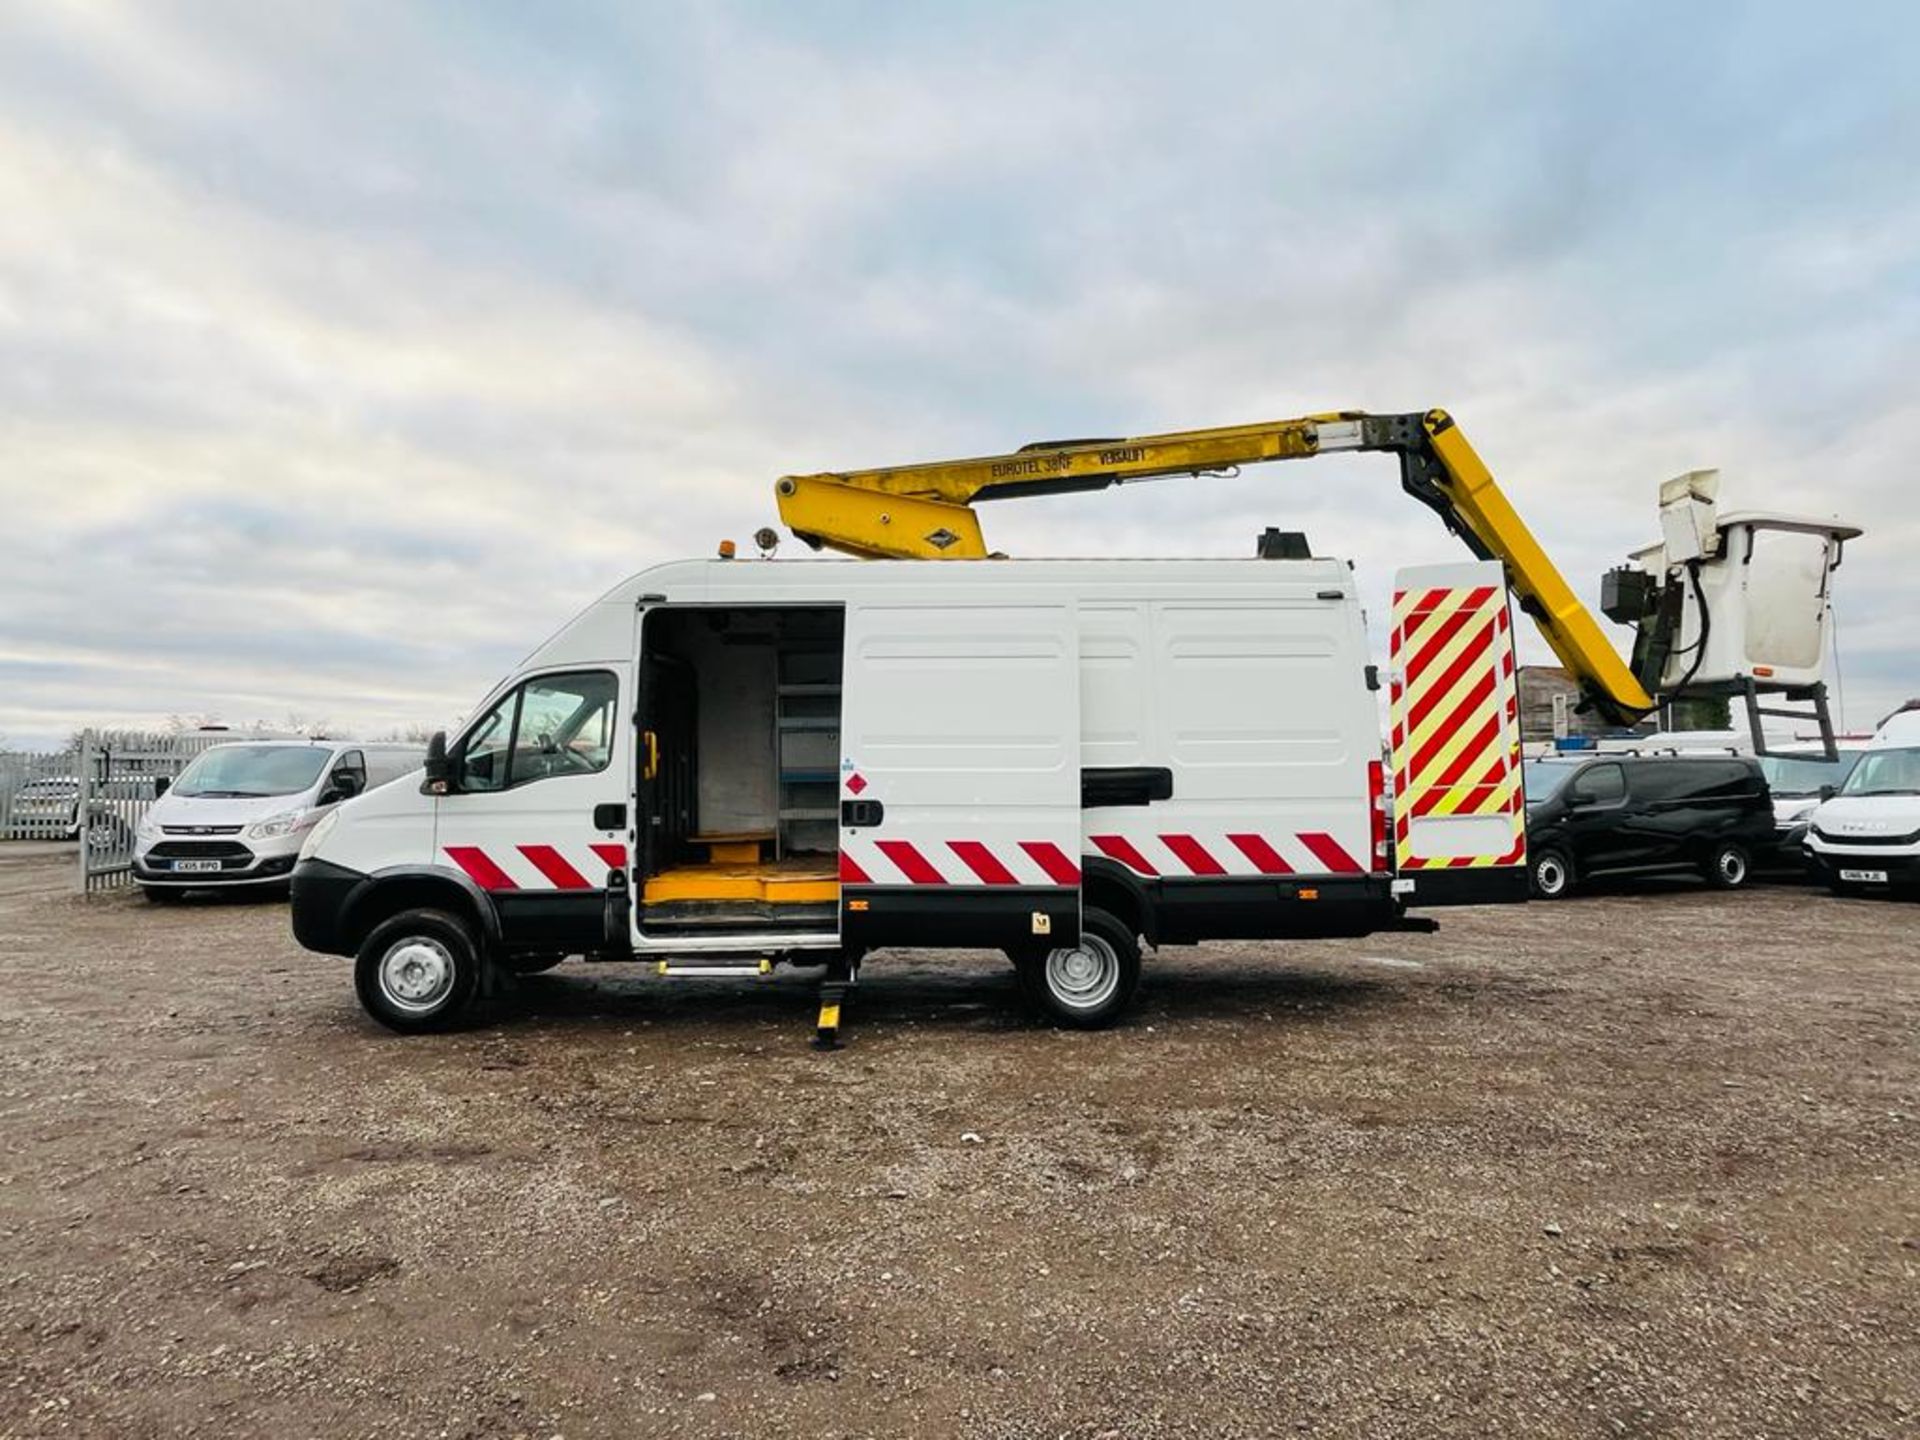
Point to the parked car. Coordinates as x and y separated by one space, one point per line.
49 809
45 809
1866 839
1645 814
238 813
1799 783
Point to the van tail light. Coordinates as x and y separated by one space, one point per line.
1377 813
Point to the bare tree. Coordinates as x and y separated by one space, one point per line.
411 734
317 726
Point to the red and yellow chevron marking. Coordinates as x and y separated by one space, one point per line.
1456 723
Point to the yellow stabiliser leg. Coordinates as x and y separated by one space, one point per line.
833 990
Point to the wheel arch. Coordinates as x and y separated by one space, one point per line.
387 892
1108 885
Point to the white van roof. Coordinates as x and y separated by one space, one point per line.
1900 728
603 633
322 744
276 740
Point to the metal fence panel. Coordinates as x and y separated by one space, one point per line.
39 794
117 789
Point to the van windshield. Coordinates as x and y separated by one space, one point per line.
1885 772
1796 776
233 772
1544 777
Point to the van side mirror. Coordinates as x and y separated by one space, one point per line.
439 779
343 784
1826 793
161 784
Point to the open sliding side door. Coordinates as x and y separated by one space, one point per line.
960 774
1459 812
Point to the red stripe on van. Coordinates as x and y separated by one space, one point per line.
555 866
1432 690
1192 854
1477 695
615 856
1432 643
1118 847
1328 852
915 866
1266 859
850 871
1052 859
480 867
982 861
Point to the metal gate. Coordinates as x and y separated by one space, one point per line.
116 789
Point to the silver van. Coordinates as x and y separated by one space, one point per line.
239 813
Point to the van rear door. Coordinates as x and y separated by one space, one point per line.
960 774
1459 811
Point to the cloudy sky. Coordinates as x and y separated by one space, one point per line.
345 349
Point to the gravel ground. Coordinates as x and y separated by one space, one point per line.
1639 1164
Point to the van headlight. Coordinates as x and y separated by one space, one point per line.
146 829
287 822
320 833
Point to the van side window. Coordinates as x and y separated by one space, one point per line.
385 765
1657 780
1600 785
484 765
551 725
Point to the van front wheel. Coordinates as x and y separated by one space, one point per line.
418 971
1087 986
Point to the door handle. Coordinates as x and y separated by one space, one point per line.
860 814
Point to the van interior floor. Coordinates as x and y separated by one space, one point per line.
797 893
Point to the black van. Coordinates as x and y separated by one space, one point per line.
1644 814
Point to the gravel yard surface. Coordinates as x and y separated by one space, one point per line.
1645 1164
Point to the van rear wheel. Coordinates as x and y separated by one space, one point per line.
418 970
1087 986
1552 874
1728 867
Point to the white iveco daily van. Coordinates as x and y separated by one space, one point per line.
1866 839
239 813
725 765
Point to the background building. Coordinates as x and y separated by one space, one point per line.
1549 701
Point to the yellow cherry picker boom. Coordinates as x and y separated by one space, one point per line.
1731 604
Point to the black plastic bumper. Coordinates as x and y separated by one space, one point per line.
277 867
321 893
1902 871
